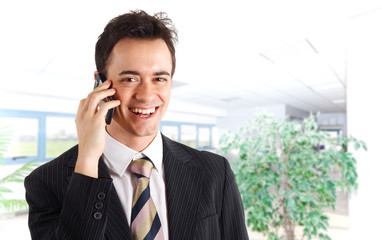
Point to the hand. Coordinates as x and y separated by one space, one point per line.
90 123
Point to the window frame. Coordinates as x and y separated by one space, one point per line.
197 125
41 132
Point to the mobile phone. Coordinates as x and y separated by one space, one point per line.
99 79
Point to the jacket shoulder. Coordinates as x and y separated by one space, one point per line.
58 165
206 160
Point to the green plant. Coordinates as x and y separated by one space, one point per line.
285 179
15 177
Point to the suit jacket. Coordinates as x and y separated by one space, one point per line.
203 201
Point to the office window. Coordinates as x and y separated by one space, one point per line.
215 137
61 135
170 132
23 133
188 135
204 137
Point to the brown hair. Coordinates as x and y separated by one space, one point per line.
137 25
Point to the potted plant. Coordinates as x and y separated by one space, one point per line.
283 170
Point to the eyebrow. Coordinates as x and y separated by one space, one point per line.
161 73
130 72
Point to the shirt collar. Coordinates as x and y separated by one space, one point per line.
118 156
155 152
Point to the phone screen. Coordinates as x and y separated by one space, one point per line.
100 78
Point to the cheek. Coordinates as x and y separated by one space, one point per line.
166 95
122 95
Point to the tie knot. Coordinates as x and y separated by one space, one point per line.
141 167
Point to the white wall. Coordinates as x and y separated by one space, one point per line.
333 119
295 113
235 118
364 98
36 102
179 111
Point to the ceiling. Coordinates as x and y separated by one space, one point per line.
230 55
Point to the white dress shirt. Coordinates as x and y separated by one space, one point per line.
117 158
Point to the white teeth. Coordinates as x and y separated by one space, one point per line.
143 111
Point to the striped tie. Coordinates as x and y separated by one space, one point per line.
145 222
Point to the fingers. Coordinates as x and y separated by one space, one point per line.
102 91
80 110
88 107
95 98
104 85
106 106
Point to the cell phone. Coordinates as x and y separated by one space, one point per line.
99 79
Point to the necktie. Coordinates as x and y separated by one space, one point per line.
145 222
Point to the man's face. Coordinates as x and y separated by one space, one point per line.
140 71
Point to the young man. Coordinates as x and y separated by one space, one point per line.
131 182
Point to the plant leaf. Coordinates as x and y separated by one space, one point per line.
19 174
13 204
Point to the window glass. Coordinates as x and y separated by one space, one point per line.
23 134
188 135
61 135
170 132
204 137
215 137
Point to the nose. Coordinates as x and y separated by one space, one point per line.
145 92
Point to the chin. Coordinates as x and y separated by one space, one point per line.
144 132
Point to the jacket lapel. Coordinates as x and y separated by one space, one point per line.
117 226
183 187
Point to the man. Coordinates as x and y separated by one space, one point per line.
94 190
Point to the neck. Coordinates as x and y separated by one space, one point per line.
133 141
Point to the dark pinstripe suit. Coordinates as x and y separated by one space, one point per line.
203 201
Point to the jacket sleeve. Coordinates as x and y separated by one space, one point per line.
80 214
233 218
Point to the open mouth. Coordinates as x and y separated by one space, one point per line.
142 112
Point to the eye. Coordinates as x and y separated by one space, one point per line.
160 79
128 80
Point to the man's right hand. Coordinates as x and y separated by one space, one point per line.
90 123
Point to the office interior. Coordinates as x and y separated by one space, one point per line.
234 60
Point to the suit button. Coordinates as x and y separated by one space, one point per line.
99 205
98 215
101 196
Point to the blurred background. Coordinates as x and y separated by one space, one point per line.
287 58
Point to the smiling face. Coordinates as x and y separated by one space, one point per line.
140 71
